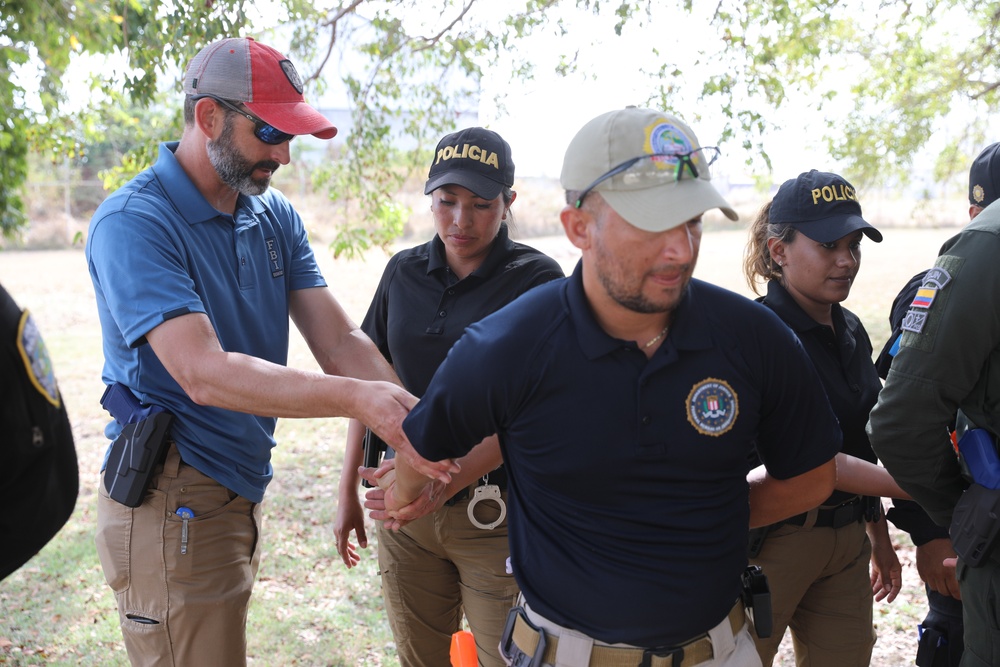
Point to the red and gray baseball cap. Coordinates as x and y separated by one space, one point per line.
821 205
239 69
476 158
648 194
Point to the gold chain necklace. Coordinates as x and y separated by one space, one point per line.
657 337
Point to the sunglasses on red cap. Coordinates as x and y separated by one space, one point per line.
265 132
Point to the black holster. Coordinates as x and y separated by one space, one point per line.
757 600
134 457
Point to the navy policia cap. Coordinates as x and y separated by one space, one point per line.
475 158
984 177
821 205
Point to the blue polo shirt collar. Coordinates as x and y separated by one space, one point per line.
182 193
690 329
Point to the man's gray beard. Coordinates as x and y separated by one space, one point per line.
234 169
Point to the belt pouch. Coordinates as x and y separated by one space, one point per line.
975 524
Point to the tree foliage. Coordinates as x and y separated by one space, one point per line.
889 83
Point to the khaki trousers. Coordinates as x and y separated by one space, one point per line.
821 590
439 567
181 609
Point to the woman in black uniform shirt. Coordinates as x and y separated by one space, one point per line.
442 564
805 244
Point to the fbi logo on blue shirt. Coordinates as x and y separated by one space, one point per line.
712 407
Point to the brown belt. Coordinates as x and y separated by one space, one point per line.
694 652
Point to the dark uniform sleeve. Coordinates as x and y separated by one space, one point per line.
940 369
910 517
39 479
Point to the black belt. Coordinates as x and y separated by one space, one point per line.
497 477
832 517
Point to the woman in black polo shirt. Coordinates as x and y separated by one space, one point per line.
806 245
452 560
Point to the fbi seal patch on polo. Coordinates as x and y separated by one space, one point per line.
916 316
35 356
712 407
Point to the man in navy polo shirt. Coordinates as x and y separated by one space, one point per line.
197 266
627 399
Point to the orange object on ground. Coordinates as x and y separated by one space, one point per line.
463 650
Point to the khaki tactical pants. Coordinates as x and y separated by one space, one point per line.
821 590
181 608
438 567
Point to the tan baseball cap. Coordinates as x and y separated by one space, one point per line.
654 193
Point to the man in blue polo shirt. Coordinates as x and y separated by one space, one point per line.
197 266
627 399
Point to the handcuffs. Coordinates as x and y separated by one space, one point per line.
482 493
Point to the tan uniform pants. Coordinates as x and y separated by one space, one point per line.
438 567
821 590
181 609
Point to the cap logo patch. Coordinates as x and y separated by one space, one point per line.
916 316
836 192
978 193
665 137
292 75
712 407
468 152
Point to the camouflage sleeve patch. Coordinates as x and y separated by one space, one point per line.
923 319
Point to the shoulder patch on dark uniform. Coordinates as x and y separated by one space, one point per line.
35 356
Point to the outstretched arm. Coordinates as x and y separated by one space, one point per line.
189 349
856 475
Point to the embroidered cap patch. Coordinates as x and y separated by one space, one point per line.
712 407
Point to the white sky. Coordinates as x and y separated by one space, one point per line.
542 115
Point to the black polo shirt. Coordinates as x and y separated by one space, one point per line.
843 358
421 307
628 501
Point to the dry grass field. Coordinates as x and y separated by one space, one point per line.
307 609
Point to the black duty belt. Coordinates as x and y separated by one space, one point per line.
521 637
497 476
832 517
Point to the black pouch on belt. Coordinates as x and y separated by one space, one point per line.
975 524
134 456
